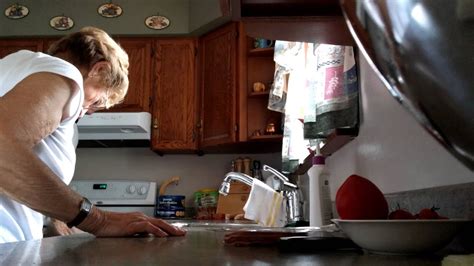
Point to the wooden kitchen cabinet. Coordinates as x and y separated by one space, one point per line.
231 114
174 115
218 80
139 75
8 46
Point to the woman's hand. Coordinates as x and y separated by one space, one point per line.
58 228
108 224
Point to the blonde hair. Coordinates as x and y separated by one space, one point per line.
91 45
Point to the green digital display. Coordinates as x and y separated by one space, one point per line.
99 186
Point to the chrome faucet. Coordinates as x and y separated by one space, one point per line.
291 192
225 186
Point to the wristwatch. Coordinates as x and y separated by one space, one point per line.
86 207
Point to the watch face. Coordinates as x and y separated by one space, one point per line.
86 205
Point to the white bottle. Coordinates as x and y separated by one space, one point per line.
320 208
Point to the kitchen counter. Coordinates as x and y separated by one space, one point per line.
198 247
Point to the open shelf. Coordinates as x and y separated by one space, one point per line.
261 52
267 137
259 94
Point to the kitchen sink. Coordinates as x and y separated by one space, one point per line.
240 225
215 225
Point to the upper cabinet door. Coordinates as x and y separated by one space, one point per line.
139 75
10 46
218 86
175 102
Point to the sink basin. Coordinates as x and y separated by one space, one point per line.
215 225
240 225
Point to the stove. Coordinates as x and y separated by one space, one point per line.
119 195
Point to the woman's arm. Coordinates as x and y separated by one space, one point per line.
29 112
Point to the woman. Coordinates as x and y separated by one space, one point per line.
41 97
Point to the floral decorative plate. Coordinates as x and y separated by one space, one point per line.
61 23
109 10
157 22
16 11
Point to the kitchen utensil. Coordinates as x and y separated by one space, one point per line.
401 236
422 51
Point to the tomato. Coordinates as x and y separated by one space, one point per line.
429 214
358 198
401 215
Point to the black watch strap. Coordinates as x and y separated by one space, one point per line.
86 207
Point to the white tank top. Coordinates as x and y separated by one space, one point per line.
57 151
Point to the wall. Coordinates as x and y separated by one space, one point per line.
392 149
196 172
183 17
202 12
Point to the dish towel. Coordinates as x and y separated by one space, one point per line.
265 205
334 98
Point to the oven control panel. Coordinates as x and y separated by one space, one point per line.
116 192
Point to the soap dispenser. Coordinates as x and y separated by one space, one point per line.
320 209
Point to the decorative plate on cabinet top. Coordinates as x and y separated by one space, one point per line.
16 11
61 23
157 22
109 10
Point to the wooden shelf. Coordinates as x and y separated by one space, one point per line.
267 137
261 52
338 138
259 94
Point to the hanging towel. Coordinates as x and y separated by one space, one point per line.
334 101
287 57
295 147
265 205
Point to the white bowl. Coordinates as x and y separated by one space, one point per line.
401 236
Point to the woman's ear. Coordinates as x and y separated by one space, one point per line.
98 68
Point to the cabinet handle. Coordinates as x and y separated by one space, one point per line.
155 123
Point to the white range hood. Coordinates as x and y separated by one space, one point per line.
115 126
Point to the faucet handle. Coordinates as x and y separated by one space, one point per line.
281 176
